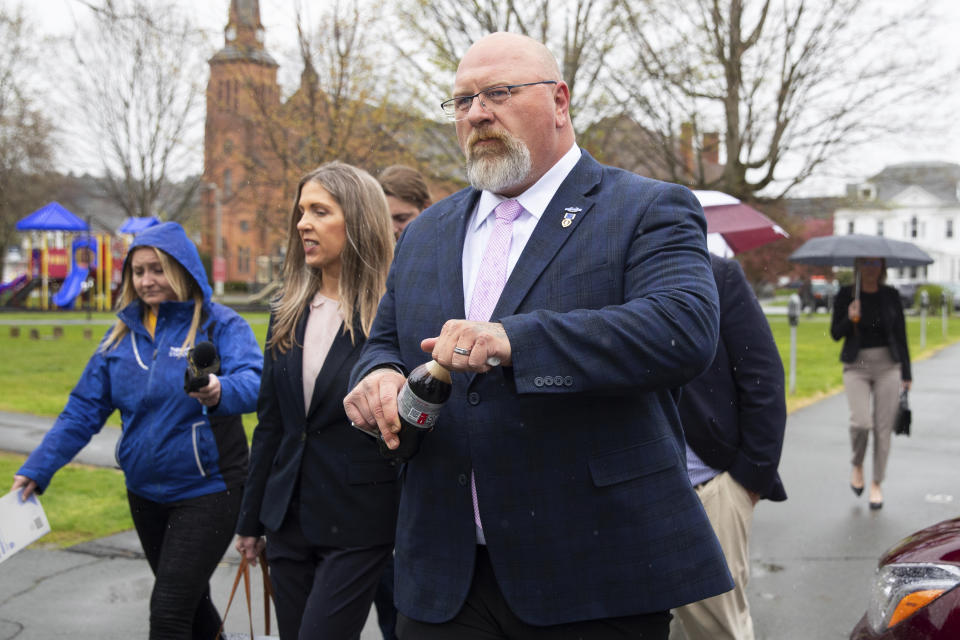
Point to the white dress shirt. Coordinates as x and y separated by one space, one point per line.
534 202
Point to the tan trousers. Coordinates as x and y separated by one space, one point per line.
726 616
873 394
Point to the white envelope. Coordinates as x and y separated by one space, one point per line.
21 522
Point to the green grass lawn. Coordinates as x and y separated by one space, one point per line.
85 503
81 503
819 372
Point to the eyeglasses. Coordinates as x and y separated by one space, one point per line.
457 108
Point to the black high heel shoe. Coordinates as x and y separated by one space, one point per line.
857 491
876 504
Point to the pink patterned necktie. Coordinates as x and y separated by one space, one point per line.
486 292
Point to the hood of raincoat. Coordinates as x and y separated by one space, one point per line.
170 238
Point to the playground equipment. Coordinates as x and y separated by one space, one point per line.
46 263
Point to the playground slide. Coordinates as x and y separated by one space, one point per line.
17 297
14 284
71 288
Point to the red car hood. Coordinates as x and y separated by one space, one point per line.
937 543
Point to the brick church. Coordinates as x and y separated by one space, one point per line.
257 145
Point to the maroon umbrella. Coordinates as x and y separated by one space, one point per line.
740 226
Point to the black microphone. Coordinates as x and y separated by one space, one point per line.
202 360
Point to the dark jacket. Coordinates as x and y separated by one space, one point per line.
347 493
576 449
735 413
893 323
170 449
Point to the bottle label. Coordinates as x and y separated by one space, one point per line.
415 410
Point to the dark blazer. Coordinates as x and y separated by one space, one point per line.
577 448
893 322
346 491
735 413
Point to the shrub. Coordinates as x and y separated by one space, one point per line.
935 292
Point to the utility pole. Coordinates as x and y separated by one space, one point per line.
219 265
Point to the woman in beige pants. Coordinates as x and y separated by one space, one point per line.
876 366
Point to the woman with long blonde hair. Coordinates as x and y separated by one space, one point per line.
184 454
317 488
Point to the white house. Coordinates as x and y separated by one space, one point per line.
918 202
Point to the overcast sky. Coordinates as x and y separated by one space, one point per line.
937 136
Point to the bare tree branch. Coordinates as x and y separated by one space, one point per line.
790 84
139 84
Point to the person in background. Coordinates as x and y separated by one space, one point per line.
319 489
876 366
407 195
184 457
734 416
551 499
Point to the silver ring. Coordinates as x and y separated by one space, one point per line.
461 351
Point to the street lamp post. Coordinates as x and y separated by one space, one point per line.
219 266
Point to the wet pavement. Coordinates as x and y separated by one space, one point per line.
812 556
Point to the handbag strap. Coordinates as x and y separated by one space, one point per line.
267 589
244 571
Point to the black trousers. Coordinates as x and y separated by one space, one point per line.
383 601
486 616
321 592
184 541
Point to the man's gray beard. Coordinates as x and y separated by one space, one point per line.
496 173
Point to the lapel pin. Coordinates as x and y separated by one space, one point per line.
568 215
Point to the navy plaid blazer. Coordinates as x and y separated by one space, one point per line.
577 447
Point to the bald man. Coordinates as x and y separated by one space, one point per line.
570 300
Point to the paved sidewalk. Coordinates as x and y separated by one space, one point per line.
98 590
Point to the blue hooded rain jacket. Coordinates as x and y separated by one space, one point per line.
169 449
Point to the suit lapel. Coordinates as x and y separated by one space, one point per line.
451 231
295 364
550 234
340 350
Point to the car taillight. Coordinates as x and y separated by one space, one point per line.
900 590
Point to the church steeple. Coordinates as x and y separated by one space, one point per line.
243 35
244 26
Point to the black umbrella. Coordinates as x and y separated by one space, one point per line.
841 251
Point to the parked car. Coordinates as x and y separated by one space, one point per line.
914 593
823 293
908 291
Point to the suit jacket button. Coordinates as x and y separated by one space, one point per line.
538 381
568 381
303 437
473 398
558 380
548 381
462 479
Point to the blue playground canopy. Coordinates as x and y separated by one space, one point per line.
136 225
52 217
